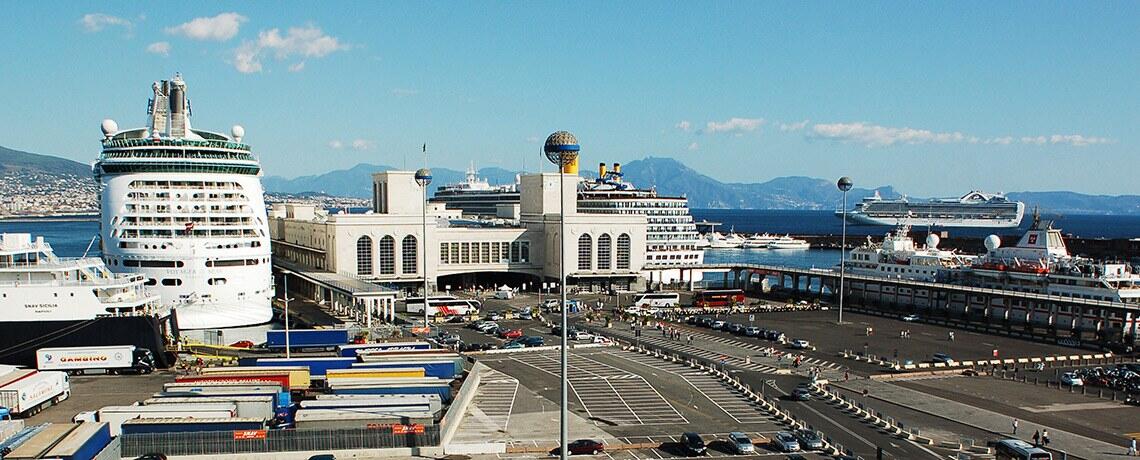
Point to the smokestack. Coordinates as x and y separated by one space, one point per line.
617 168
571 168
601 170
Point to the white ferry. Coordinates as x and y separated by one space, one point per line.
787 242
974 209
898 257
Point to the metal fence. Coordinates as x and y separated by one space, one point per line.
235 442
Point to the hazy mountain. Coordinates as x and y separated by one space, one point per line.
15 160
357 180
1078 203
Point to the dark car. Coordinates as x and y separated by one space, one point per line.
582 446
151 456
801 394
531 340
478 346
693 443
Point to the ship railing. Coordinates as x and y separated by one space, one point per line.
151 142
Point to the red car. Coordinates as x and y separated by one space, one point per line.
511 334
584 446
242 344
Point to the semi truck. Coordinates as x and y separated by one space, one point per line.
352 350
33 391
111 359
307 338
116 415
187 425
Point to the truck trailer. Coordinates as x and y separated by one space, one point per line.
34 392
110 360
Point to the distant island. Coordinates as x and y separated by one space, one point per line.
34 184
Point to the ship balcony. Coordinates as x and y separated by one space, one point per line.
176 143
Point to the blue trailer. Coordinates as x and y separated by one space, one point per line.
351 350
441 368
317 366
307 338
410 361
282 400
443 389
189 425
83 443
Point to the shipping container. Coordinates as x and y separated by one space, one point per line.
442 389
116 415
332 420
259 407
281 399
307 338
439 368
31 394
41 442
456 360
317 366
198 387
240 378
187 425
375 372
14 375
82 443
110 359
386 405
352 350
298 375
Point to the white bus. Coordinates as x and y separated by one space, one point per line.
657 299
1016 449
442 306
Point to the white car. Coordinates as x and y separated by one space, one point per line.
800 344
1071 379
910 318
603 340
582 335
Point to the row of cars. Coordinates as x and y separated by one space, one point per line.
1123 377
737 442
747 331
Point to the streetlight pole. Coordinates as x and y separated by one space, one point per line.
844 185
561 148
285 299
423 178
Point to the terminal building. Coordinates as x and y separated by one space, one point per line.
383 247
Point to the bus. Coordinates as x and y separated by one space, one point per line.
442 306
657 299
1016 449
718 298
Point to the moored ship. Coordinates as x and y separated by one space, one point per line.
974 209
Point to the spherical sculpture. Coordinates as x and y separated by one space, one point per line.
844 183
423 177
561 148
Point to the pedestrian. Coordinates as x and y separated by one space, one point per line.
1132 448
1037 438
846 375
1015 427
951 336
866 392
1045 437
690 339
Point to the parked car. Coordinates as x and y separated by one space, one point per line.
785 442
718 324
752 331
693 443
942 358
581 335
910 318
809 439
735 328
556 329
448 338
603 340
488 327
477 324
494 316
511 334
582 447
800 344
478 346
801 394
1071 379
740 443
525 315
512 345
531 340
772 334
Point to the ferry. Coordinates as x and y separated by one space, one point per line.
899 257
476 196
759 241
974 209
787 242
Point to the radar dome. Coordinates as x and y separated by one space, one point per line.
992 242
932 241
109 127
238 132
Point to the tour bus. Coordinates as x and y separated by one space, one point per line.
1016 449
657 299
718 298
442 306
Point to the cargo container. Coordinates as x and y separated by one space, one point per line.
439 368
34 392
198 387
307 338
188 425
240 378
116 415
110 360
317 366
14 375
378 402
352 350
456 360
331 420
82 443
298 375
259 407
361 381
38 444
281 399
443 389
375 372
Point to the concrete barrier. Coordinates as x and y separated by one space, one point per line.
454 417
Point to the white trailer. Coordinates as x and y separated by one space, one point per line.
116 415
258 407
35 392
110 359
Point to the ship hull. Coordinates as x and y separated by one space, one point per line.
20 340
863 219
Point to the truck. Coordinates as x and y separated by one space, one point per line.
281 399
34 392
299 378
440 368
307 338
191 425
116 415
259 407
111 359
352 350
337 419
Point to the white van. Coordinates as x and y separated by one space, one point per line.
657 299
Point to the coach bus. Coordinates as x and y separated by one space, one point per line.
442 306
1016 449
718 298
657 299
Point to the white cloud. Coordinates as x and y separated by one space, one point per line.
362 144
684 125
305 42
218 28
95 22
734 124
1077 140
336 144
160 48
793 126
405 92
1000 140
297 67
872 135
694 146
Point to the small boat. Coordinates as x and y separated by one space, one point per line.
759 241
787 242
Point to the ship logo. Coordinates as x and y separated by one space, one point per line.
48 357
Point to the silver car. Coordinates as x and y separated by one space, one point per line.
785 442
809 439
740 443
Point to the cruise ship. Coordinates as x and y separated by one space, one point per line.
974 209
51 301
899 257
475 196
184 208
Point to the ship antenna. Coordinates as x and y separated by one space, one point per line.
92 243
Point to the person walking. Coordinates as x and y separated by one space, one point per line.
1132 447
1045 437
846 375
690 339
1015 427
1037 438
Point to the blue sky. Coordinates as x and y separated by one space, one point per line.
934 98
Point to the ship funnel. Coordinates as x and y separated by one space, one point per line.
617 168
601 170
571 167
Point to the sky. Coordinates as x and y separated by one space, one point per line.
934 98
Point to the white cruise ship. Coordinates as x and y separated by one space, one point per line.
184 207
671 235
974 209
898 257
475 196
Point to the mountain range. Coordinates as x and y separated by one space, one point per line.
668 176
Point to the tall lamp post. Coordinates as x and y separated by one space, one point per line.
561 148
844 185
423 178
285 299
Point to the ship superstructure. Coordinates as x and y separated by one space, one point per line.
899 257
475 196
974 209
184 207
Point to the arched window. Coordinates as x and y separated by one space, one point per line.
387 255
410 253
585 252
623 252
604 252
364 256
